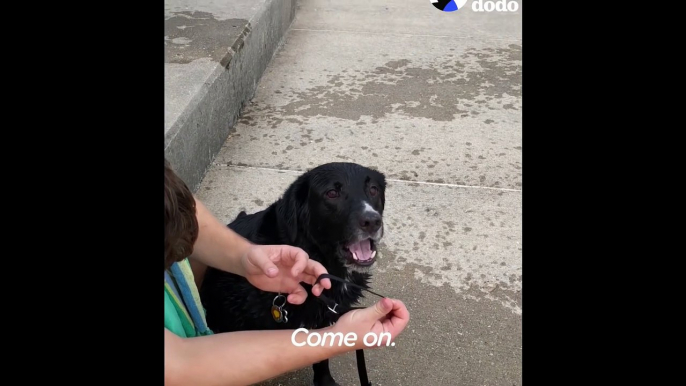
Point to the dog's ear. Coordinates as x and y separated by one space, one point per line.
292 211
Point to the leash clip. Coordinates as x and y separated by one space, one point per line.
333 309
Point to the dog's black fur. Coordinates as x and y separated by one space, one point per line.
323 211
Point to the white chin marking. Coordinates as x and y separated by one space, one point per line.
377 236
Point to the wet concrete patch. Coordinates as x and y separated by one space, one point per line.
195 35
443 89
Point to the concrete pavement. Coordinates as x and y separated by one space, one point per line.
433 100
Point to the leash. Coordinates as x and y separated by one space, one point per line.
334 307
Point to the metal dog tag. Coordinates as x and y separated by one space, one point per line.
278 313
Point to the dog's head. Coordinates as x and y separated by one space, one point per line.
339 208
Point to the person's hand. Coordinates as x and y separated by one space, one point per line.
281 268
386 316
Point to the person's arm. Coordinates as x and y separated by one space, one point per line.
217 245
220 247
248 357
238 358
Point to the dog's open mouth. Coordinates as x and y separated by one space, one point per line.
361 253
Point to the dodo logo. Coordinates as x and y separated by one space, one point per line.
477 5
449 5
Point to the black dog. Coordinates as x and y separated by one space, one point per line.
334 213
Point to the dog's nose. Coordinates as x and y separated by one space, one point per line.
370 222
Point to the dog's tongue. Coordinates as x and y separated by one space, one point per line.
362 250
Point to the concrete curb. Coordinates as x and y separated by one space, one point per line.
194 137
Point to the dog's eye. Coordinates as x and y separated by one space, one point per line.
332 194
373 190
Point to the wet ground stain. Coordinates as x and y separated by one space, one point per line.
444 90
189 36
434 92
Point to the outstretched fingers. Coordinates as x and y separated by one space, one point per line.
297 256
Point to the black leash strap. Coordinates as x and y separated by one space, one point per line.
334 307
362 368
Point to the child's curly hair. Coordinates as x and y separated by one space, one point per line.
180 221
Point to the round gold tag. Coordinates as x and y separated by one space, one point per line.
276 314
